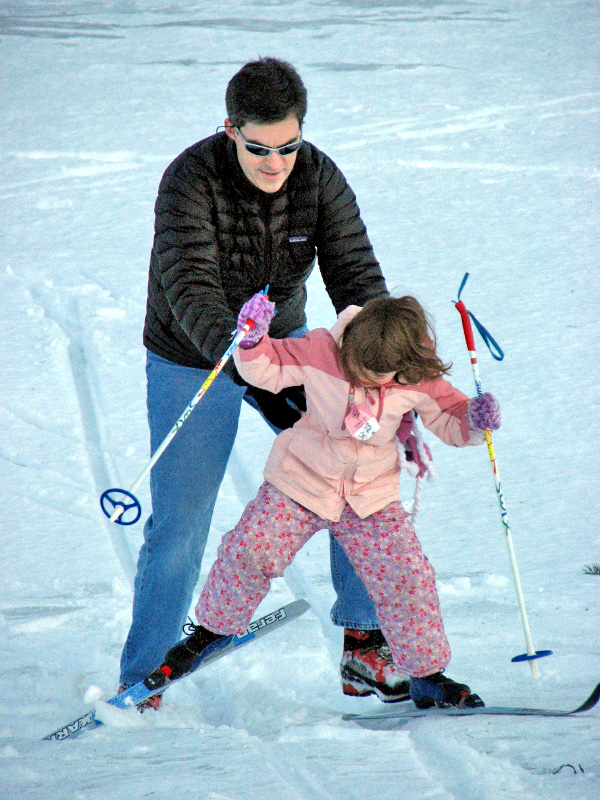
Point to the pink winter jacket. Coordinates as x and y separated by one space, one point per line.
318 462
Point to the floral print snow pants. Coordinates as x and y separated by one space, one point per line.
383 548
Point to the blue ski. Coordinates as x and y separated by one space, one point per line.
389 718
139 692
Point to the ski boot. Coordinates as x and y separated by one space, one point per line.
438 690
180 658
367 668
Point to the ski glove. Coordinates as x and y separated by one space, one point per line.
275 408
261 311
405 428
411 444
484 412
411 447
296 396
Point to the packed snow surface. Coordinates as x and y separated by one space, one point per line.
469 132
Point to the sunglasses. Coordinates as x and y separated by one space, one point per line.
261 151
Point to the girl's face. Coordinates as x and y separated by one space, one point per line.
376 378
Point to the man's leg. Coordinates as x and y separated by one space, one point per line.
184 484
353 607
366 666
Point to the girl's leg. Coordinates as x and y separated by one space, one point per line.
353 607
387 555
272 529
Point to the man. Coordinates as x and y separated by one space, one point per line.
250 206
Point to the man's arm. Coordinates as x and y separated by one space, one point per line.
350 271
186 255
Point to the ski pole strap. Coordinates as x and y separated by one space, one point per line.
487 337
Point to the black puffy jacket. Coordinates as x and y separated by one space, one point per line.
218 240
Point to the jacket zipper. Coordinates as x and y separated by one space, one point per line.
268 254
351 398
346 472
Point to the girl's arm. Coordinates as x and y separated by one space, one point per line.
275 364
444 411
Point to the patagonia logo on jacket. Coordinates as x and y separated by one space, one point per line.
296 239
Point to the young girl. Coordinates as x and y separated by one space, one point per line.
338 468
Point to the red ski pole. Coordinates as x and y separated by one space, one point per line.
531 655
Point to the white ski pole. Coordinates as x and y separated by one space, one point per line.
531 655
116 502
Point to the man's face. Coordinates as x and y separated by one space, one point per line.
269 173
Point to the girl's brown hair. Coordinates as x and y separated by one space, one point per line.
391 334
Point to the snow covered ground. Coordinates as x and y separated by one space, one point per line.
469 131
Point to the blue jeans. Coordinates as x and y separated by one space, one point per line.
184 484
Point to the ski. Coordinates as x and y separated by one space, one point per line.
139 692
400 715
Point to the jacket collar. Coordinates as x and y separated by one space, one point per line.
369 391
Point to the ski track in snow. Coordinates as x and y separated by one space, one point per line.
90 410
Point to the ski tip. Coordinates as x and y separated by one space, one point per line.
591 701
403 716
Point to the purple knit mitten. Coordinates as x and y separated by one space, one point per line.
261 311
484 412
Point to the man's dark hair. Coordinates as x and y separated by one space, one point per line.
265 91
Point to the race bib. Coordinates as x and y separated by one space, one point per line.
361 423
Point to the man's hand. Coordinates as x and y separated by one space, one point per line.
296 396
275 407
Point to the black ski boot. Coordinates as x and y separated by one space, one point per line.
180 658
438 690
